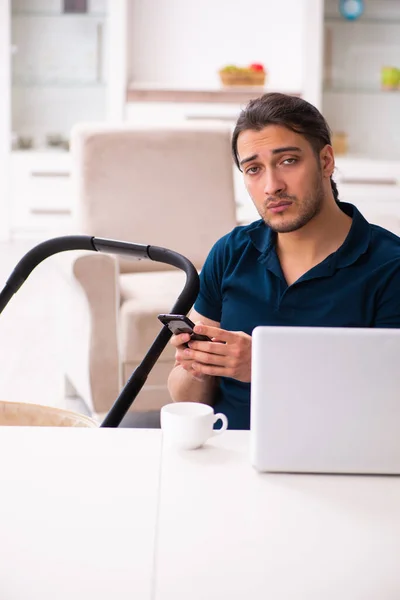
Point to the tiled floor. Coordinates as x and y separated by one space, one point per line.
30 355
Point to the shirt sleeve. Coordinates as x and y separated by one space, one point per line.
388 305
209 299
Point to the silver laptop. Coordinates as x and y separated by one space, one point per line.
325 400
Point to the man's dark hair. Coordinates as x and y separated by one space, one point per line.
290 112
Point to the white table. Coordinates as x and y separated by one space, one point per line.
111 514
227 532
77 513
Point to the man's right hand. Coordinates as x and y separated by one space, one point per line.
180 341
184 383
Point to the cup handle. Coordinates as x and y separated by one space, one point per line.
224 419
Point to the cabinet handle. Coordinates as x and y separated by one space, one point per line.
99 53
368 181
50 174
50 211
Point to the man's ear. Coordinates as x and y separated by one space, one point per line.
327 161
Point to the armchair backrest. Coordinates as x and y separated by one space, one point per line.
169 186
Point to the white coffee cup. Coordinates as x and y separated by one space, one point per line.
188 425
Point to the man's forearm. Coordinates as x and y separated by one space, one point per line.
184 388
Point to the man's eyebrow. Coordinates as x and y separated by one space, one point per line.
248 159
286 149
274 151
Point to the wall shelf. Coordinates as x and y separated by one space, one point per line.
235 95
58 84
363 21
48 14
359 90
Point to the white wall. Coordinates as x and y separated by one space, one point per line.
4 116
312 51
117 59
214 33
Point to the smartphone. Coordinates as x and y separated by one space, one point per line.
182 324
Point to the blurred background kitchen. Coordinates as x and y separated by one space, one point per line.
63 62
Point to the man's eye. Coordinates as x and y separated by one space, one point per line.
290 161
252 170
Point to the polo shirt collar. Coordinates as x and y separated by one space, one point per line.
264 240
262 236
357 240
354 246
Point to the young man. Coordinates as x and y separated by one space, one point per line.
310 261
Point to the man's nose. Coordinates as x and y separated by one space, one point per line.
274 185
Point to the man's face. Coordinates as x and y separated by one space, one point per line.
282 175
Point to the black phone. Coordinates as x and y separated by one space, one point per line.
182 324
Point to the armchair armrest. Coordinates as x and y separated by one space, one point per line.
92 358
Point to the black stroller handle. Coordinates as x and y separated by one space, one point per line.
182 305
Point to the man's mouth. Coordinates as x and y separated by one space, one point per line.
278 207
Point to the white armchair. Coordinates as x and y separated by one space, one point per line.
168 186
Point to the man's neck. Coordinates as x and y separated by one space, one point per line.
323 235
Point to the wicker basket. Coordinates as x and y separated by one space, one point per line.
27 414
242 78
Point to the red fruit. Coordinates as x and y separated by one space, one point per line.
257 67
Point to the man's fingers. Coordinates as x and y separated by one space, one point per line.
180 339
187 365
207 358
214 370
208 347
215 332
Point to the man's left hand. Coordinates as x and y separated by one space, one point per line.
228 355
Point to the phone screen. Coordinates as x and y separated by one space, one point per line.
182 324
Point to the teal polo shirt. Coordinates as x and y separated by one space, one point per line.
242 285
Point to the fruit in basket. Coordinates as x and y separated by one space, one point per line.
390 78
257 67
230 69
254 75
